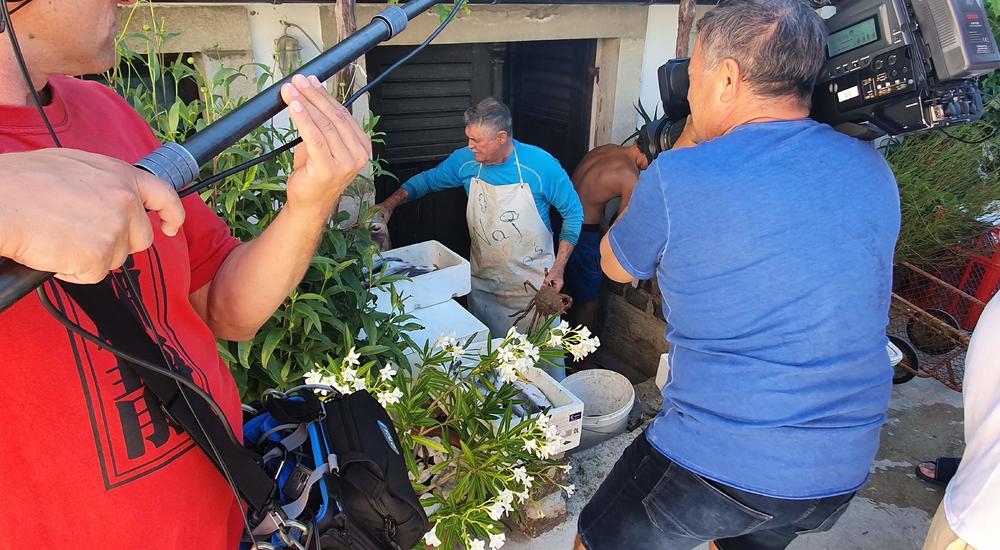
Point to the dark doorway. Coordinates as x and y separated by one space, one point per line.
549 90
547 84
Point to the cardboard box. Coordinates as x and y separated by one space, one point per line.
452 277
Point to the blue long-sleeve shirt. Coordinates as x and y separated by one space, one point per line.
549 183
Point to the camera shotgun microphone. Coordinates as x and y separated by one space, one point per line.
178 163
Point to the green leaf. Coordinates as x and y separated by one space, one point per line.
271 341
430 443
371 332
243 350
373 350
173 118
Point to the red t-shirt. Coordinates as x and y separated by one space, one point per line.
86 459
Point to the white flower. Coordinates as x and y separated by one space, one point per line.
496 541
445 342
555 340
570 489
349 375
542 421
477 544
316 377
352 359
431 538
562 328
520 474
506 497
522 496
389 398
530 445
387 372
495 511
457 350
507 373
360 383
549 449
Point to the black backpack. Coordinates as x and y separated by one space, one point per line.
355 487
373 485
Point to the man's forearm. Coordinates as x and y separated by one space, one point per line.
562 257
399 197
257 276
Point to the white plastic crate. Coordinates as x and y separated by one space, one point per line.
452 277
566 413
447 319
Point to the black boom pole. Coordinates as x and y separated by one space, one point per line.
179 163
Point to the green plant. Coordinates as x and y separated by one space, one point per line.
948 189
470 458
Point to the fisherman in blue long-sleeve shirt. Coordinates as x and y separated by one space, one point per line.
511 186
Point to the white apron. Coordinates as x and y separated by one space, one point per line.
510 245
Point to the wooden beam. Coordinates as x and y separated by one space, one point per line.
685 22
343 82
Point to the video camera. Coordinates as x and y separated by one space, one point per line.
893 67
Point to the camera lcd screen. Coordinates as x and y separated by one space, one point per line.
853 37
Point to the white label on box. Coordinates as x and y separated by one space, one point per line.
848 94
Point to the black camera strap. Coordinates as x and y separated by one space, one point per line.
118 325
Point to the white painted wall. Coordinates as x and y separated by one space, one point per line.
661 40
266 27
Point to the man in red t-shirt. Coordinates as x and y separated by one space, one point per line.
87 459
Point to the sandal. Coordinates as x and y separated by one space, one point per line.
944 469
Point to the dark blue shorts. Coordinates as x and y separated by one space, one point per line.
583 276
650 502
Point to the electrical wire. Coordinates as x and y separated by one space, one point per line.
15 10
12 37
991 135
200 185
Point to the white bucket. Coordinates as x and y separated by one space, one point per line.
607 399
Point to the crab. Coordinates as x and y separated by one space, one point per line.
546 303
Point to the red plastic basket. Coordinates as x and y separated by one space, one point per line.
927 314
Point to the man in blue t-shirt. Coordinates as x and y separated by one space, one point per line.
511 186
772 241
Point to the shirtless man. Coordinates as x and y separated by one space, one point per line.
605 173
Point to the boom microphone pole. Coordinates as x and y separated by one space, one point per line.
179 163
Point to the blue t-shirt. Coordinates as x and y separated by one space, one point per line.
773 248
549 183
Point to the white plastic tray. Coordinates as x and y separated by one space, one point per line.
451 277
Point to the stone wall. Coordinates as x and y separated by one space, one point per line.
633 325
